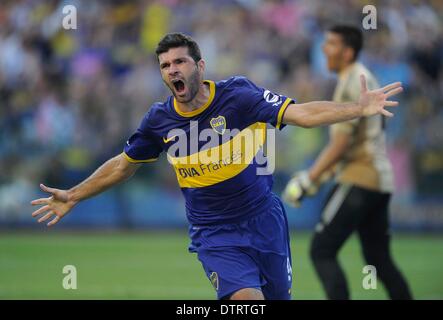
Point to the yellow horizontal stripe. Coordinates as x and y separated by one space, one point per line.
217 164
282 111
137 161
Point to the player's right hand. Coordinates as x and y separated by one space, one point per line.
57 205
375 101
298 187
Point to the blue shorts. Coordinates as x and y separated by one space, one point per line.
251 254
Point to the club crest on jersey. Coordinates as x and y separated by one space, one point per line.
214 279
218 124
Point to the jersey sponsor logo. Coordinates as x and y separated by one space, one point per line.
166 140
209 168
220 162
188 172
273 98
180 133
218 124
214 280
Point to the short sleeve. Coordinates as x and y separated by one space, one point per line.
264 105
141 146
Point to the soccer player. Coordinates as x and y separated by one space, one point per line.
360 198
238 227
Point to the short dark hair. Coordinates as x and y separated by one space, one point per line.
352 37
176 40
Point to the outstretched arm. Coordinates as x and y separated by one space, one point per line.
318 113
61 202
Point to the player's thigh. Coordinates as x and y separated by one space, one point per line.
374 229
230 269
341 216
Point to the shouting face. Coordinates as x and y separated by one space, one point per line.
181 73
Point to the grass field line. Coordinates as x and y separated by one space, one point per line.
158 266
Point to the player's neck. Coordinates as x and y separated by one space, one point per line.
199 100
345 69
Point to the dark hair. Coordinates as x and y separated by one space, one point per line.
352 37
176 40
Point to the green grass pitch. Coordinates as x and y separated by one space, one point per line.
156 265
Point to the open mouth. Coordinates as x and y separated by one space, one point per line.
179 86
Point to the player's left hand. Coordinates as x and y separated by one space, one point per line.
298 187
375 101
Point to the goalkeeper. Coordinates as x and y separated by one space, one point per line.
359 201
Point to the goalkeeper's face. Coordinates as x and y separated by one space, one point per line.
338 55
181 73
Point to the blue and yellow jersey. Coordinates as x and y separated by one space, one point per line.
215 150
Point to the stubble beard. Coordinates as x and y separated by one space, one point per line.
193 87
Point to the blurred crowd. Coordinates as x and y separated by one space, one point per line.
70 98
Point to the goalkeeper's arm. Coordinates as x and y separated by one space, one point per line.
306 183
330 155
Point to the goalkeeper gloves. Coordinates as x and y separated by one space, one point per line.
298 187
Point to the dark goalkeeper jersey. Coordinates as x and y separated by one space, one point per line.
216 150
